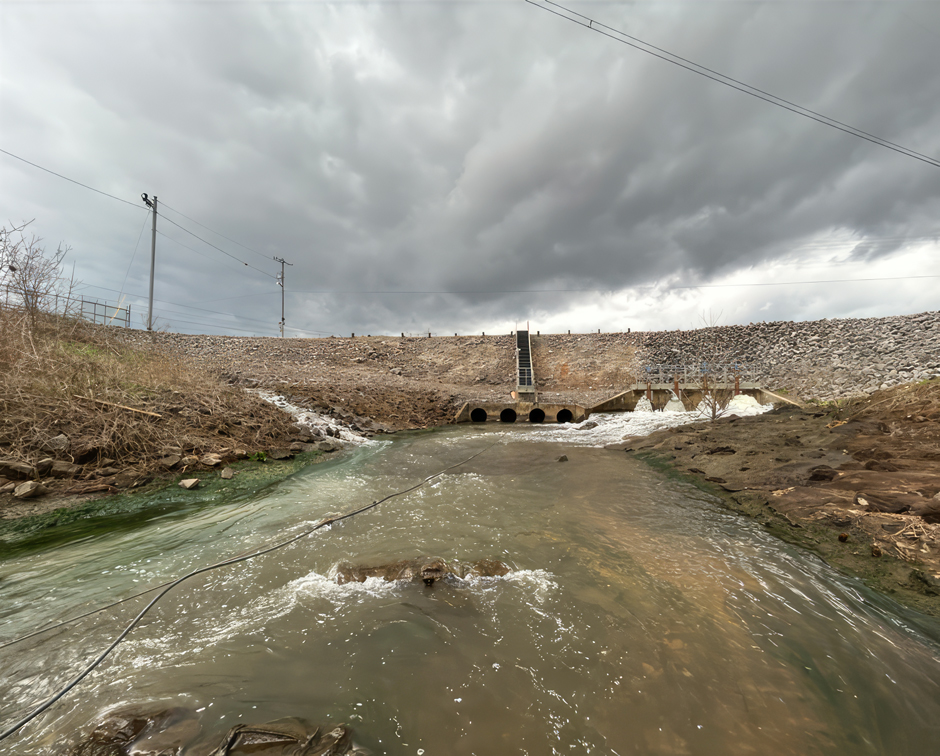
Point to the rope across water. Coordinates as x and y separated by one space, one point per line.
167 587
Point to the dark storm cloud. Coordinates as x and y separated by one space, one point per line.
462 148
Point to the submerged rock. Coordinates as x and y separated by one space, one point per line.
131 730
175 730
287 737
422 569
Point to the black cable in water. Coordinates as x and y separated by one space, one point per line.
234 560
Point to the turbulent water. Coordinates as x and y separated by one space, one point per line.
638 618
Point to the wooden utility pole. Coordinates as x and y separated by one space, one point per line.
280 282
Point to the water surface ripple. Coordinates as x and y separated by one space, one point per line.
639 617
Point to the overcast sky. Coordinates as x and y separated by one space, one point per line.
471 166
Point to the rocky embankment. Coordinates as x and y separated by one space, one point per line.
399 382
821 359
406 382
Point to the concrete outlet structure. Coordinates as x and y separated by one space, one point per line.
521 411
527 408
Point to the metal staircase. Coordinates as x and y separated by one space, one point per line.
525 386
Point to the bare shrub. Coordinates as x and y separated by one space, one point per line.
30 278
717 363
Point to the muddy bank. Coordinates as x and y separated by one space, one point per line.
857 483
64 476
38 520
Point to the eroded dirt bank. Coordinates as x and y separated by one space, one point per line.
857 482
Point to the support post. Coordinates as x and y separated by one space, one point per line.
280 282
152 204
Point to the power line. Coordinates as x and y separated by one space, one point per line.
245 330
595 291
188 307
798 283
211 312
708 73
264 323
237 296
213 325
166 206
242 330
134 204
202 254
229 254
459 2
139 237
537 291
36 165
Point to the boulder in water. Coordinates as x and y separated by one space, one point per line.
422 569
133 730
286 737
173 731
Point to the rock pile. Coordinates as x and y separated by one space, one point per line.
825 359
412 382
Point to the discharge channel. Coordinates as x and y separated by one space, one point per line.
638 617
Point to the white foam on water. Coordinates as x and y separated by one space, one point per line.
609 428
674 404
317 586
740 405
539 584
744 403
314 421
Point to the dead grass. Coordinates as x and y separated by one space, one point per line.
909 402
61 375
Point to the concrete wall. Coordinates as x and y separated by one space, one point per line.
662 393
524 412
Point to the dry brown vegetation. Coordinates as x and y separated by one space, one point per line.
73 393
59 375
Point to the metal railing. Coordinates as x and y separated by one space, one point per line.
97 311
694 373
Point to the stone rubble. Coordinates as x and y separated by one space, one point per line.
822 359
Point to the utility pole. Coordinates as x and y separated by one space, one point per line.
280 282
152 204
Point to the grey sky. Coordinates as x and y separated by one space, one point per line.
485 148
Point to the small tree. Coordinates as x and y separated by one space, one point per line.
29 277
717 362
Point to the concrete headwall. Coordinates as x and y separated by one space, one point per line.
522 412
